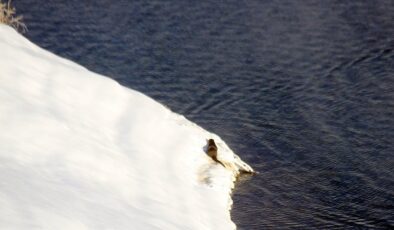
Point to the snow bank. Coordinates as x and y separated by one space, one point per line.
79 151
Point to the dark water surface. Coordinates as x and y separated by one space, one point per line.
301 90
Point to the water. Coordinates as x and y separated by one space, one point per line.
301 90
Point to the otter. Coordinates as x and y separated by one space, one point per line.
212 151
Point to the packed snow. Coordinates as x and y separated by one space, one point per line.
80 151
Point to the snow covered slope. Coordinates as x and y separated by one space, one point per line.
79 151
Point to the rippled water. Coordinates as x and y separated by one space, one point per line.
302 90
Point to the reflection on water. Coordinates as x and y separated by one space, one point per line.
304 91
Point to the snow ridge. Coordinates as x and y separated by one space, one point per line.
80 151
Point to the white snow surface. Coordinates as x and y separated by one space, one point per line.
80 151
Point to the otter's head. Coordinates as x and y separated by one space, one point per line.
211 142
212 145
